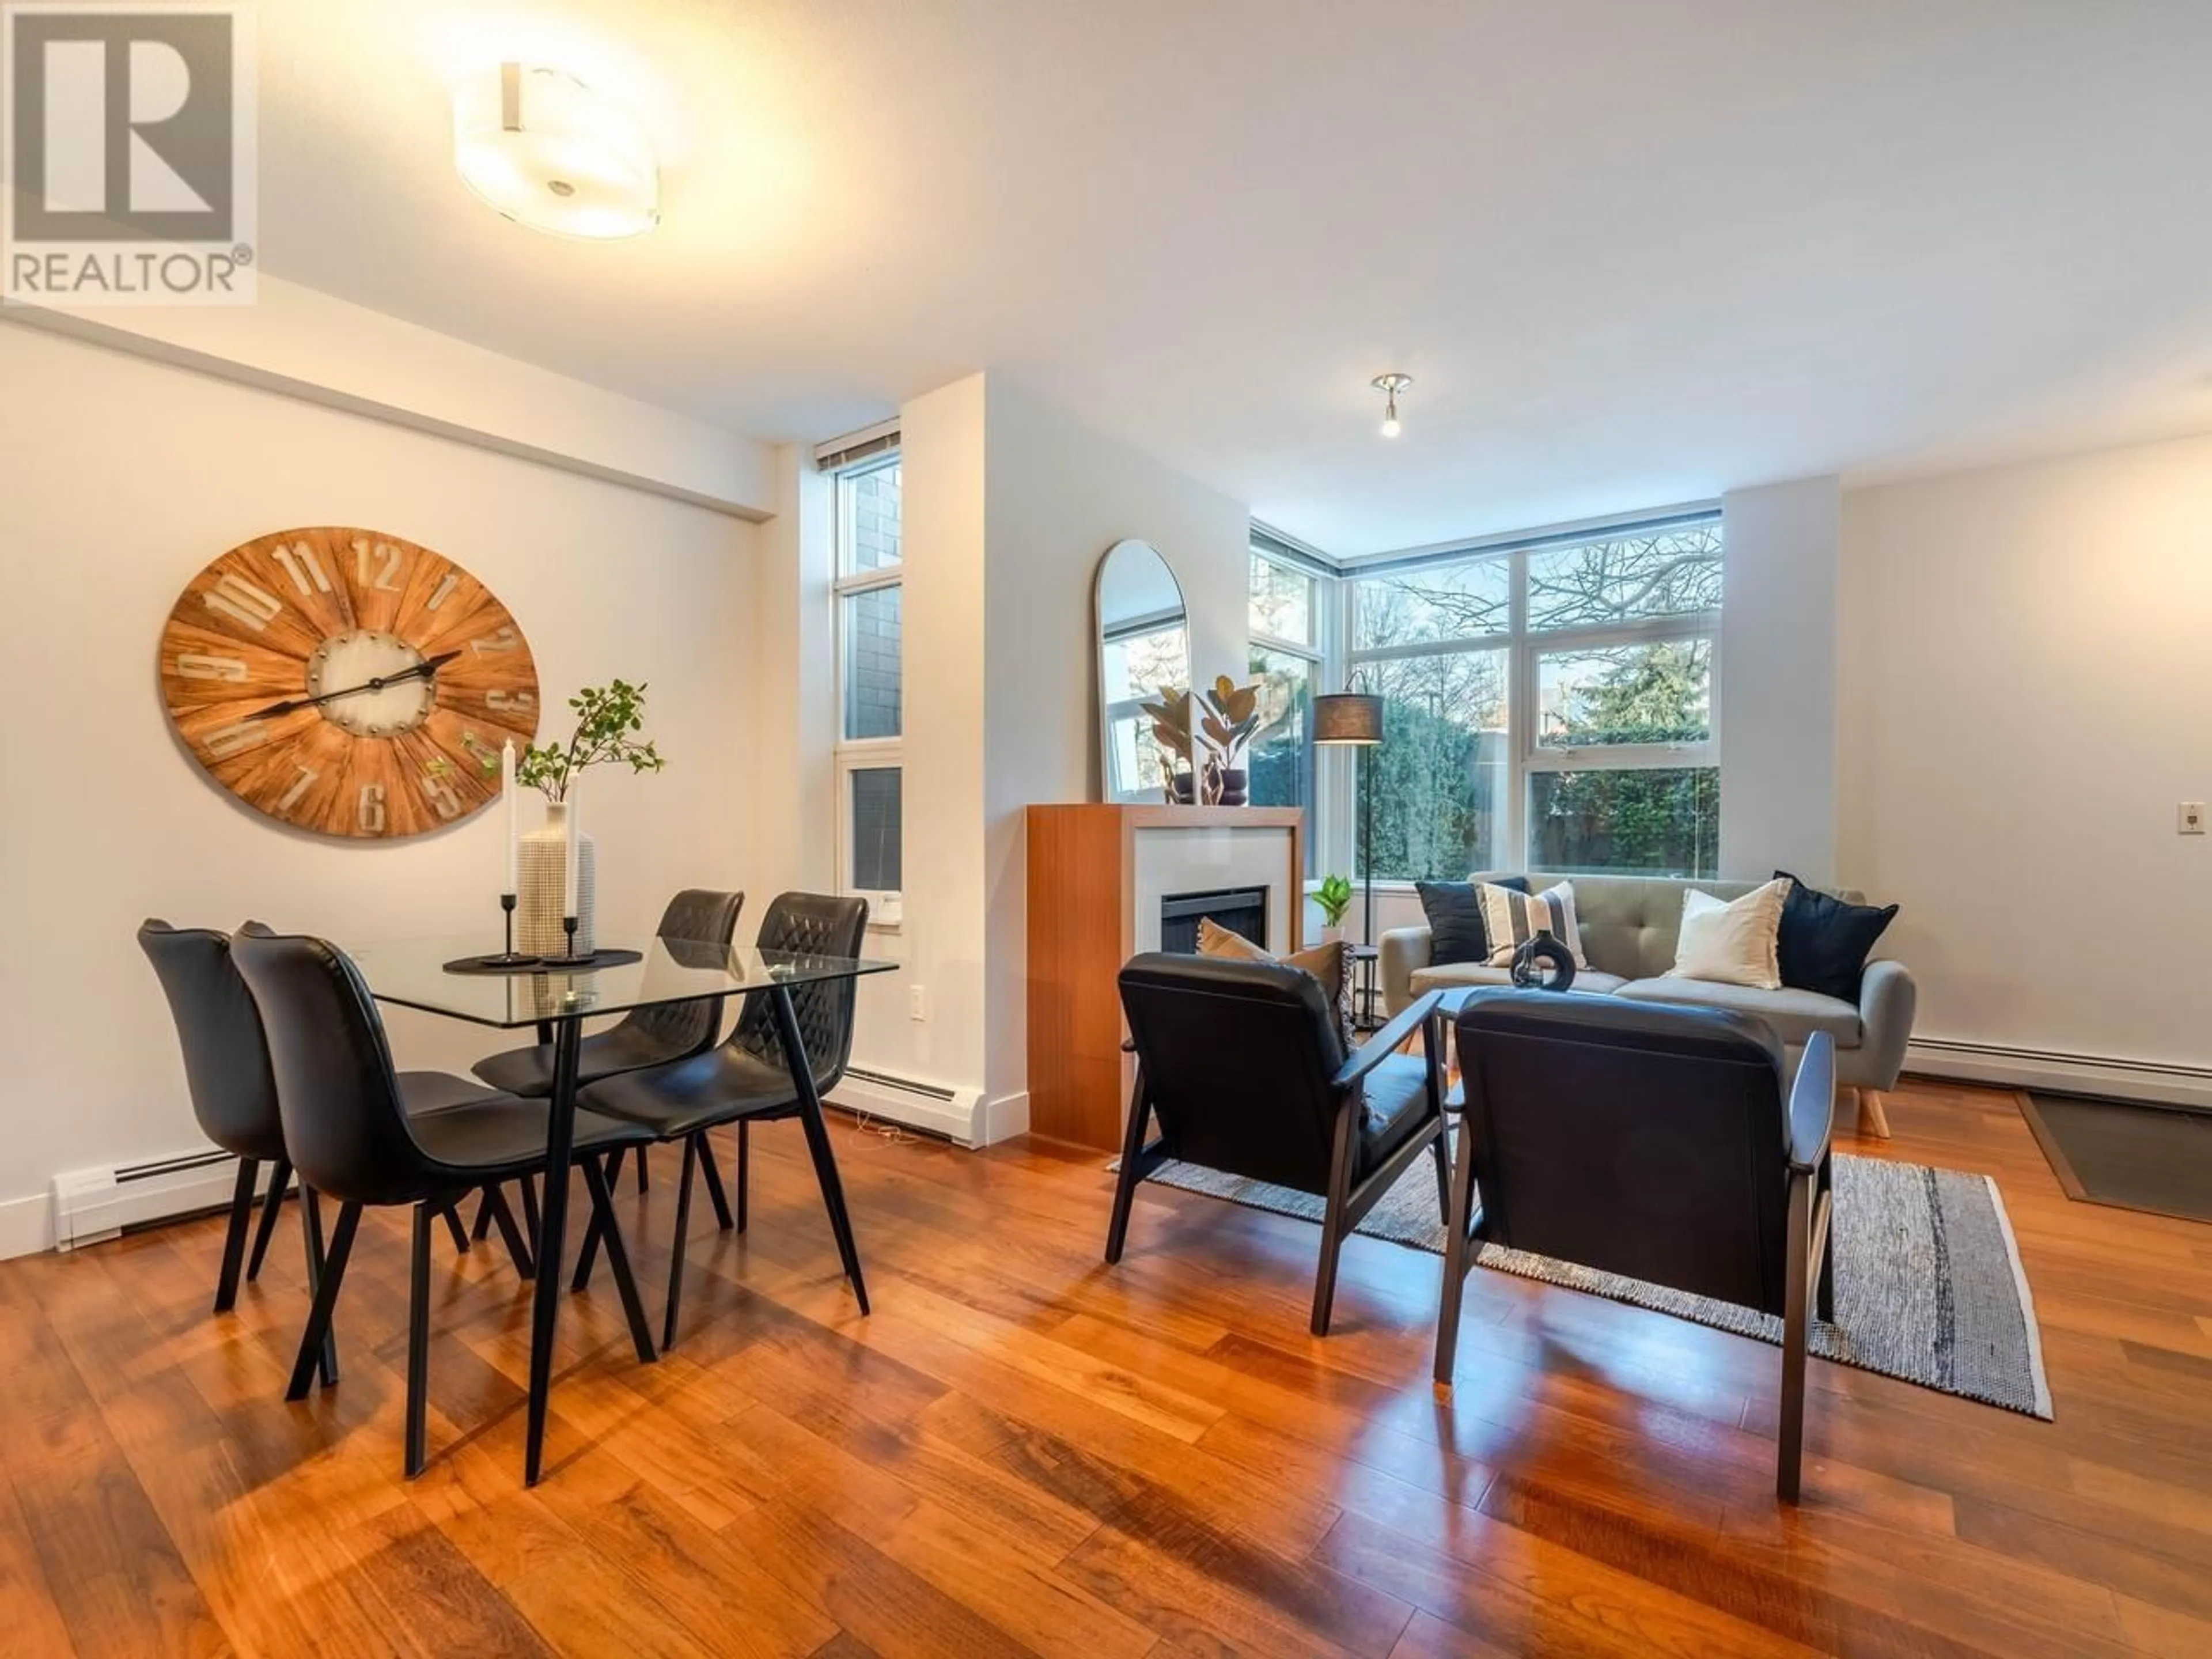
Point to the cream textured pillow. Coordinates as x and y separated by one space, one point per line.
1512 919
1732 942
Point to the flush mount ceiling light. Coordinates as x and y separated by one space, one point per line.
1390 386
548 152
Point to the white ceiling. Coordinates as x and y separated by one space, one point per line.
1632 252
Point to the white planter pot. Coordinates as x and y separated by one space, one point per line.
542 883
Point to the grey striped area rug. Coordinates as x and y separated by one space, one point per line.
1928 1285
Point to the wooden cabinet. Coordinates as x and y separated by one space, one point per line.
1096 874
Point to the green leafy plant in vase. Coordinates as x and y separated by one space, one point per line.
608 731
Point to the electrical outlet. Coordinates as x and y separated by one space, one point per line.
917 1003
2190 820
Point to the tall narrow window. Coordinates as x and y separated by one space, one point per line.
869 768
1284 629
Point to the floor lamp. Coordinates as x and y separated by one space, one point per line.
1354 719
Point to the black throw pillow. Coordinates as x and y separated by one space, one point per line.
1456 929
1823 940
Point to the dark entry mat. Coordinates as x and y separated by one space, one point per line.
2125 1154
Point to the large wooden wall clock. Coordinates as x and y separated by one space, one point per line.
347 682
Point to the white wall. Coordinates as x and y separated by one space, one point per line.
346 356
1777 680
942 452
2026 672
119 479
1060 495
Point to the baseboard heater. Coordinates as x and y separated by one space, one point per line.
93 1206
936 1109
2158 1083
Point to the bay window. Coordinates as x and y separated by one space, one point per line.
1547 707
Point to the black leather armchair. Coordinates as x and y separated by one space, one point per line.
1242 1064
1654 1142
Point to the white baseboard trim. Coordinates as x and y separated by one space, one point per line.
957 1119
2153 1081
27 1225
1005 1118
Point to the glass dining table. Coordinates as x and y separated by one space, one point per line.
419 974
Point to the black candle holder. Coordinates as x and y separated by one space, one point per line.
509 958
571 959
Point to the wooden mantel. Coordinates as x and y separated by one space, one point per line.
1083 926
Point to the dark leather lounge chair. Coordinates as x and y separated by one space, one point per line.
1242 1064
1655 1142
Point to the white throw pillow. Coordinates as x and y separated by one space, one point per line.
1732 942
1510 919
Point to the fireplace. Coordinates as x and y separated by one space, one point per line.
1240 909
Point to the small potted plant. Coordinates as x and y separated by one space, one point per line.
1335 897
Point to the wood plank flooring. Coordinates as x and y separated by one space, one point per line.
1025 1452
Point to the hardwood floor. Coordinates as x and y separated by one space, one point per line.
1024 1451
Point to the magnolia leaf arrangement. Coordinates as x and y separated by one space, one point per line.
1335 897
608 719
1232 715
1220 720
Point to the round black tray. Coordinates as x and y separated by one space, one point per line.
607 956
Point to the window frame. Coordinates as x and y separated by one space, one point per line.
1315 652
1527 755
886 907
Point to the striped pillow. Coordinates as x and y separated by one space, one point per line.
1513 919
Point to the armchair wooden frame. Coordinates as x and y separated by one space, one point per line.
1347 1201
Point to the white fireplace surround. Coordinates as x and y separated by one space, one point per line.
1199 859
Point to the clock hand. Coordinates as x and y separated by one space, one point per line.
427 669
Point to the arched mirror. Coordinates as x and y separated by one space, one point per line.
1143 657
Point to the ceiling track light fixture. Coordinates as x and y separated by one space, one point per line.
543 149
1390 386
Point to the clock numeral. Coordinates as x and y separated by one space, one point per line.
441 795
516 699
235 738
451 580
306 781
190 667
369 810
506 640
387 557
301 565
236 597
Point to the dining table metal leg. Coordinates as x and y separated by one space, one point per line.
553 1216
818 1136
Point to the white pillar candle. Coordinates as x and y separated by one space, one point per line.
507 796
570 889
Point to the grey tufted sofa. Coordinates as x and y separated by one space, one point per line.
1629 925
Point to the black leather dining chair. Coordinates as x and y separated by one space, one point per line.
226 1076
747 1080
1657 1142
233 1098
348 1133
643 1037
1242 1064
